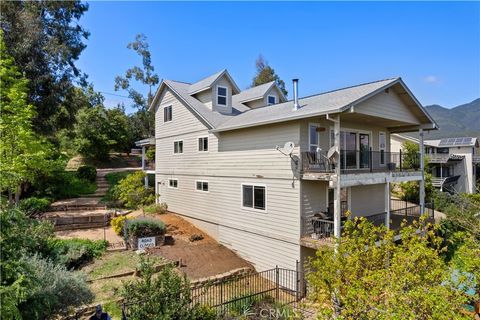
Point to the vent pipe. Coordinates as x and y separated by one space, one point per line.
296 105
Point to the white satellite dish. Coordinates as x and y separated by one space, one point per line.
332 152
288 147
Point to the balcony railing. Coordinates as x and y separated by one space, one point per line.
361 161
149 165
317 228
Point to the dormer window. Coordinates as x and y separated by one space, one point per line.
222 96
271 100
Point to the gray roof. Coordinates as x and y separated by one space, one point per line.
243 116
253 93
332 101
207 82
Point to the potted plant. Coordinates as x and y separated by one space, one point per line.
145 228
391 166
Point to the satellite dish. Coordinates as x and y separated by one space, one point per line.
288 147
332 152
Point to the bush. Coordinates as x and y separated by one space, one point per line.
55 288
159 208
132 193
150 154
87 172
74 253
167 296
118 223
145 227
62 185
33 205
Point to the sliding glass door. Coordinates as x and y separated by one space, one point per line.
364 150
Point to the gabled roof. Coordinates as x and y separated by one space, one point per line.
257 92
208 82
320 104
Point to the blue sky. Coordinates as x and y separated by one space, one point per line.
433 46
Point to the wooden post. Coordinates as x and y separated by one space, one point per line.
337 206
387 203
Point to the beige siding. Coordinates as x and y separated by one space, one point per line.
183 119
205 97
223 81
388 106
266 238
256 103
314 197
367 200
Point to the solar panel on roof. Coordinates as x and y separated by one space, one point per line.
467 140
443 142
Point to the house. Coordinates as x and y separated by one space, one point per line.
271 178
452 161
148 166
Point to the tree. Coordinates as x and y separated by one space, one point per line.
164 297
121 130
45 40
371 276
147 77
266 74
23 154
92 133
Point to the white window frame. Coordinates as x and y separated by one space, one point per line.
310 138
198 144
274 98
171 113
183 145
253 185
357 142
201 190
226 96
384 149
172 179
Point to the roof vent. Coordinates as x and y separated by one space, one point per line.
296 105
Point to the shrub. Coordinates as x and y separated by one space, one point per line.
132 192
33 205
167 296
145 227
150 154
118 223
54 289
159 208
73 253
87 172
62 185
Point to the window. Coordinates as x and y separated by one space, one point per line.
313 137
173 183
167 114
222 96
254 196
271 100
202 186
382 146
178 147
442 150
203 144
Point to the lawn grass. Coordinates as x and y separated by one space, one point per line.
114 263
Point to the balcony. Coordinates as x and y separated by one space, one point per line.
318 230
360 161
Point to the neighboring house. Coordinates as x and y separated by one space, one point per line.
452 161
218 163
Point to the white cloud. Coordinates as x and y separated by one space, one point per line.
430 79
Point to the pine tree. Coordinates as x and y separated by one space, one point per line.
266 74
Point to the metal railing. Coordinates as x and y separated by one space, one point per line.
284 286
361 160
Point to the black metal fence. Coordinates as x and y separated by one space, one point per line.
364 160
284 286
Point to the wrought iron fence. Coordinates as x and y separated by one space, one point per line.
284 286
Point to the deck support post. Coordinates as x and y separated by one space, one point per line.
337 203
422 165
387 203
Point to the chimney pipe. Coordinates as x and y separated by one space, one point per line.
296 105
